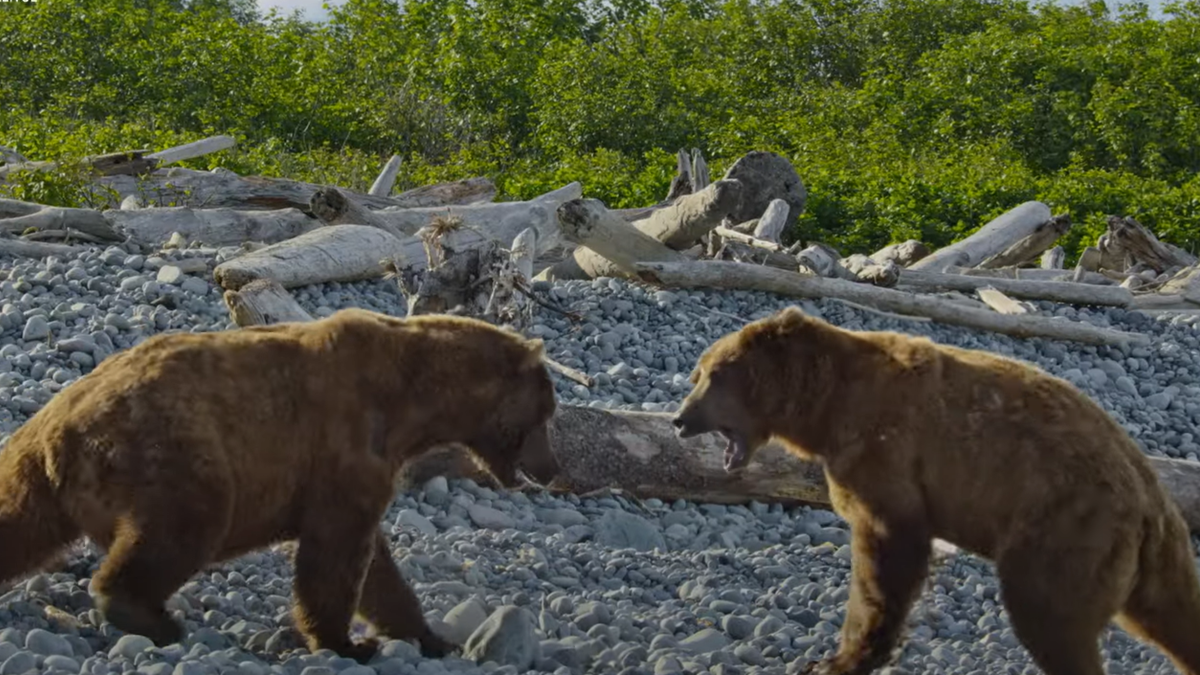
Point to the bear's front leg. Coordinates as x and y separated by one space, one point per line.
388 602
888 564
331 562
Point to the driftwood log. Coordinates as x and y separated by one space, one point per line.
386 179
1127 243
720 274
178 186
1056 291
774 220
744 253
614 246
904 253
1054 259
211 227
263 302
692 216
36 249
204 146
1030 247
17 216
1007 229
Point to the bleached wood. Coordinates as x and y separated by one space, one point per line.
333 207
748 239
17 216
211 227
36 249
1056 291
904 253
1001 302
1054 258
700 177
997 235
692 216
751 255
524 247
1128 238
720 274
263 302
587 223
477 190
1031 246
386 179
204 146
770 226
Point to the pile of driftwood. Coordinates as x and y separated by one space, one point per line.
451 248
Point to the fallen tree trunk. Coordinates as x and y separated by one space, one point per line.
748 239
1034 274
1056 291
333 207
692 216
1128 239
621 245
331 253
178 186
638 453
1031 246
994 237
211 227
773 221
36 249
903 254
17 216
1054 258
720 274
122 163
263 302
477 190
751 255
204 146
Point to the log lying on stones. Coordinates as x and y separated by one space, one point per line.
1030 247
123 163
615 245
1002 303
17 216
994 237
1056 291
263 302
1033 274
36 249
204 146
178 186
903 254
210 227
735 276
639 454
692 216
331 253
501 221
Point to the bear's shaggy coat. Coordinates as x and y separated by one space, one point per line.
193 448
920 440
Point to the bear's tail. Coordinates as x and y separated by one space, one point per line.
1164 607
34 528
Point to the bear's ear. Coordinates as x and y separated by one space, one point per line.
792 314
537 350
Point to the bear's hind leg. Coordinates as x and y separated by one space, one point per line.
1059 596
34 528
890 560
1164 607
388 602
154 551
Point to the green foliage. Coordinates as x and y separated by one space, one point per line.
905 118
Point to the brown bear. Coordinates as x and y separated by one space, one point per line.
921 441
190 449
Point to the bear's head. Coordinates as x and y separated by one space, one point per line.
738 385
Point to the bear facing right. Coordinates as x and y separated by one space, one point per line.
920 441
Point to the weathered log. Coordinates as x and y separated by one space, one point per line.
36 249
904 253
700 177
721 274
694 215
17 216
524 247
824 261
744 253
1032 274
1186 283
1056 291
204 146
122 163
773 221
333 207
263 302
477 190
994 237
386 179
1054 258
1162 301
1089 260
868 271
587 223
681 184
177 186
1128 238
639 454
211 227
330 253
1030 246
766 176
1001 302
501 221
748 239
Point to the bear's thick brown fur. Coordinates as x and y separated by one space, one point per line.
920 440
190 449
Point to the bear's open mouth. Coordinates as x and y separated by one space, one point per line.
736 451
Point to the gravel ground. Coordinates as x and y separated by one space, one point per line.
541 584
